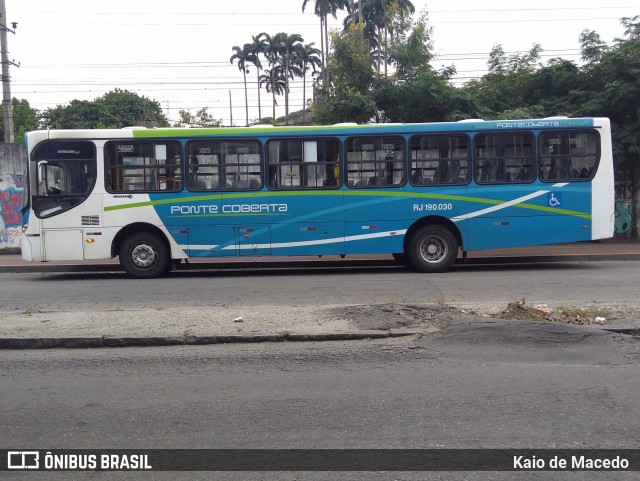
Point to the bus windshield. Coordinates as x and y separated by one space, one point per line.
65 174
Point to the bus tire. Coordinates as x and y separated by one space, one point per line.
433 249
144 256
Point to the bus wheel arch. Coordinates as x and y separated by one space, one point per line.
143 250
431 244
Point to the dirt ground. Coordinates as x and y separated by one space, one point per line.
220 320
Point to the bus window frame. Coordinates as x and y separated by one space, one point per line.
189 165
155 167
311 138
439 159
373 137
477 168
541 156
69 200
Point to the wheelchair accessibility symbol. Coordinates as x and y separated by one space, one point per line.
554 200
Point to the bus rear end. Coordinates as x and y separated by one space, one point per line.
602 186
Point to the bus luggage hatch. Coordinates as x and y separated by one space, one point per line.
254 240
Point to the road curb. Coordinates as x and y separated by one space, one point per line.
44 267
160 341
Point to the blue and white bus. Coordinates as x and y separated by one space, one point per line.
422 192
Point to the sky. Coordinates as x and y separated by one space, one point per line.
177 53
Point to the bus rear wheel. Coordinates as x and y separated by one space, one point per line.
433 249
144 256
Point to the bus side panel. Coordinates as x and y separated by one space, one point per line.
374 237
380 218
544 214
308 238
313 223
494 233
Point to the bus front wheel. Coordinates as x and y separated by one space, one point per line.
144 256
433 249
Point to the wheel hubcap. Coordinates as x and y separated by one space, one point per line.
144 256
433 249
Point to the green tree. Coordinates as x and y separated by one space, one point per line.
25 119
125 109
79 114
202 118
412 53
592 46
114 110
504 89
348 98
383 19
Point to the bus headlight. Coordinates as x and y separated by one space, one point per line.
25 227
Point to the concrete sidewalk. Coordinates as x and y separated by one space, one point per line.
610 250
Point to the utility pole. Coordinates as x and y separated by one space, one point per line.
6 79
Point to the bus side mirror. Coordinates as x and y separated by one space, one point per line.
41 166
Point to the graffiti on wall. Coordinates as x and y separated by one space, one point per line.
11 189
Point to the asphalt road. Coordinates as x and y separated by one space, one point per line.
483 383
572 283
489 385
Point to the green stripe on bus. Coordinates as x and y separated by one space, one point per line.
226 131
352 193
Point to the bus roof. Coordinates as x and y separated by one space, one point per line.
471 125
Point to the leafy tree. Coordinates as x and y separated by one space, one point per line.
25 119
592 46
126 108
114 110
343 106
382 19
350 64
413 52
504 89
79 114
202 118
348 98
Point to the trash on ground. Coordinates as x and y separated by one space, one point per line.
518 310
238 319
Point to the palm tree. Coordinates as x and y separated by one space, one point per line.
242 56
308 59
290 48
273 80
322 9
258 46
376 16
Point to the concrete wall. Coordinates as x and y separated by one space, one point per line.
13 160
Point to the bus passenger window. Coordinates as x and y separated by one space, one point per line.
439 159
568 155
224 165
504 158
375 161
143 166
304 163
